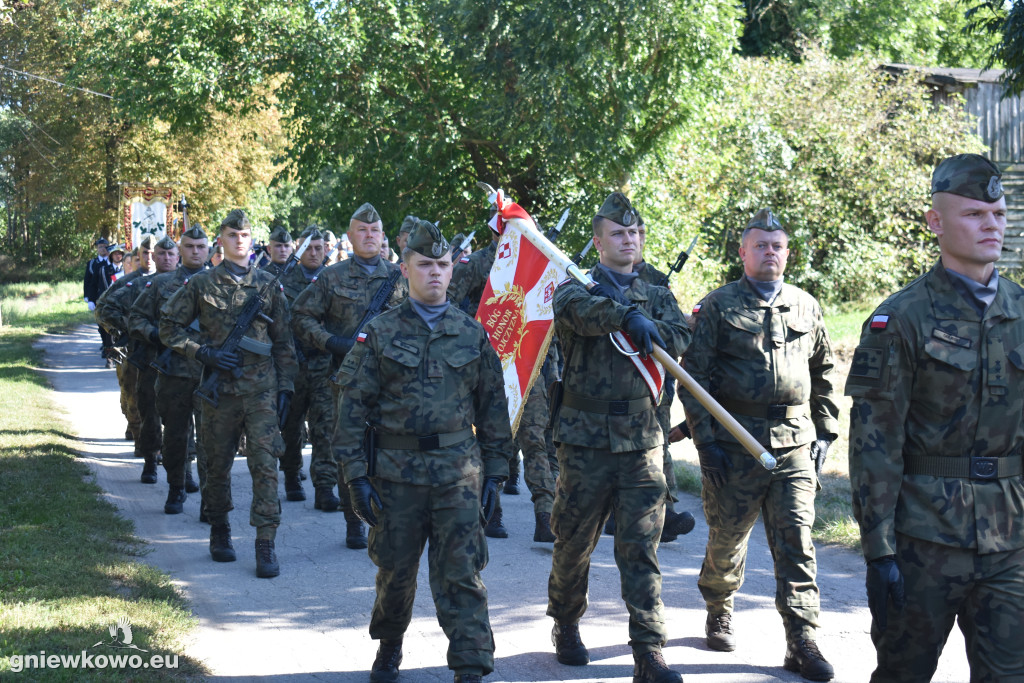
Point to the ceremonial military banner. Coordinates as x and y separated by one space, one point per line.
517 310
145 210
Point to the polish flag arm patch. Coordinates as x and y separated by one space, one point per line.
361 337
696 309
879 322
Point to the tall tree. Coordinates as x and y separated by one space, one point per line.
1006 25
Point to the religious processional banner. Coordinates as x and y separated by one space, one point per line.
145 210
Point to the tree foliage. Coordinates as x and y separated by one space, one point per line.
1005 25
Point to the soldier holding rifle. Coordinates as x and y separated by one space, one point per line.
761 349
326 315
256 388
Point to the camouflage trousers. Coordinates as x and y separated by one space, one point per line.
532 439
147 439
127 378
255 415
664 414
983 593
592 483
449 516
785 497
313 401
178 410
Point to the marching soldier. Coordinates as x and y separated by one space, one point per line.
280 248
761 349
99 275
313 398
254 400
326 315
425 378
609 444
936 434
178 377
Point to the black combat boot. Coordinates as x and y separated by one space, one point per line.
355 532
512 483
468 678
718 628
149 475
569 648
542 529
293 486
804 658
176 498
325 499
220 543
494 528
650 667
385 666
128 436
190 483
266 559
676 524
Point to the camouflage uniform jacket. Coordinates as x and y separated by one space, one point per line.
936 379
309 357
649 274
779 354
335 302
275 269
596 370
109 312
407 379
216 299
469 279
144 319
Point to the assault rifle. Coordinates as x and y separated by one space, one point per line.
376 307
459 249
553 233
578 258
252 311
679 262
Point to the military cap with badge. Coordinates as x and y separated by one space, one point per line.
968 175
281 234
426 239
166 243
236 219
147 242
408 223
195 232
765 220
366 213
618 209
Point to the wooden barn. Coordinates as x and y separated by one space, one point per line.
1000 123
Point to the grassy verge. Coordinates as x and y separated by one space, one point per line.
69 564
834 521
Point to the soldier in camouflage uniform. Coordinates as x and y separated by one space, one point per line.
313 398
254 400
408 223
936 435
609 444
280 247
178 377
325 317
110 318
424 375
761 349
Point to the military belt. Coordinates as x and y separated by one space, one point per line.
593 405
422 443
975 467
765 412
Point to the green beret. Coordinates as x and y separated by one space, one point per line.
195 232
427 239
408 223
765 220
281 234
235 219
617 209
311 231
968 175
147 242
167 244
366 213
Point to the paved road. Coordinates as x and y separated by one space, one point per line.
310 623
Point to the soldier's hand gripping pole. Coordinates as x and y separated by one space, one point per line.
528 230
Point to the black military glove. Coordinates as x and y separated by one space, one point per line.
339 346
284 402
884 582
218 359
364 497
714 464
819 451
610 293
643 332
679 432
489 496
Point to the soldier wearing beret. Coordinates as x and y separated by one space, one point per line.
178 377
325 317
425 378
936 436
254 400
609 444
280 247
761 349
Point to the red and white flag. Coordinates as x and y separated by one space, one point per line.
517 308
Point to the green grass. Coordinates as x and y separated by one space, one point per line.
69 564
